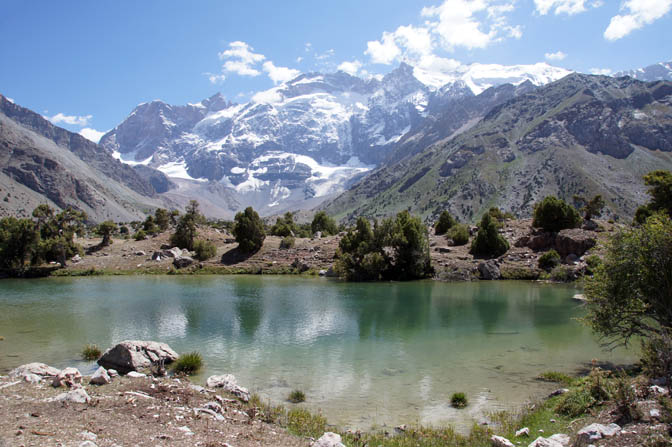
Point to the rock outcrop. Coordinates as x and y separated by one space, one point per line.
39 369
228 383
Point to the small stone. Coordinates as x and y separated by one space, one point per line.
560 438
655 413
658 390
499 441
135 375
69 377
595 432
88 444
228 383
559 392
523 432
88 435
140 253
544 442
77 395
32 378
552 421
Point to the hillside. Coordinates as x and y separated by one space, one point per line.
582 135
42 163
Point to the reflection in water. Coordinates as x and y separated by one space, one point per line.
363 353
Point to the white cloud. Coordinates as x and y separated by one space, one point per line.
383 51
601 71
91 134
415 39
73 120
216 78
271 96
557 56
326 55
569 7
240 59
299 59
279 74
471 23
638 14
350 68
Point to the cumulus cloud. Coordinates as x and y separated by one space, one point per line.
601 71
91 134
569 7
637 14
240 59
215 78
350 68
279 74
454 23
73 120
557 56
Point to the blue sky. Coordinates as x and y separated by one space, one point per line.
87 64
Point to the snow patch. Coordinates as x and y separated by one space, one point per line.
129 158
178 169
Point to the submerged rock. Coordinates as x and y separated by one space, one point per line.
228 383
131 355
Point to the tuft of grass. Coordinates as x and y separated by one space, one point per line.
297 396
556 377
91 352
302 422
188 363
458 400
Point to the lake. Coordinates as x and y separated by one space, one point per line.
365 354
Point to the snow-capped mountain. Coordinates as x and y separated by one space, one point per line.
300 142
657 72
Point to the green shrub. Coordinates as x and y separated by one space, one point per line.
458 400
553 214
287 242
204 249
188 363
556 377
459 234
549 260
488 241
656 356
140 235
301 422
249 230
445 223
186 228
498 214
562 273
297 396
322 222
91 352
284 226
575 403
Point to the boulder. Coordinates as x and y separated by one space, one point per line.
32 378
590 225
541 241
131 355
75 259
499 441
571 259
182 262
39 369
136 375
100 377
489 270
157 255
173 252
329 439
594 432
300 265
322 273
574 241
228 383
443 249
331 273
140 253
560 438
70 377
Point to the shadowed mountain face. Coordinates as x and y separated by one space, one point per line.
307 140
582 135
42 163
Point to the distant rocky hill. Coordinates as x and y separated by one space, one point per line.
43 163
657 72
582 135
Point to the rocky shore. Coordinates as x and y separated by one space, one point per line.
42 405
316 255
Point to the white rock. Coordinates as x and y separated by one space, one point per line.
499 441
523 432
594 432
32 378
39 369
545 442
655 413
186 430
88 435
77 395
328 439
100 377
658 390
562 438
112 373
228 383
88 444
135 375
